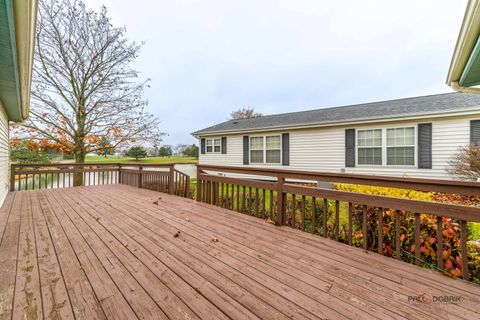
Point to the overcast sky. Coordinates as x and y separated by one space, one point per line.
209 57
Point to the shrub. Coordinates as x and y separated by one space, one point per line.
428 229
465 163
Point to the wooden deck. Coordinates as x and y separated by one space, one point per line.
119 252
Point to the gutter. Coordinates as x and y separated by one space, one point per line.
457 87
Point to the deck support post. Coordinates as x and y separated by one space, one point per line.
280 218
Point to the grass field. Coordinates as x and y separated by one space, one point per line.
120 159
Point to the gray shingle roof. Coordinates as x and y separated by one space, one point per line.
417 106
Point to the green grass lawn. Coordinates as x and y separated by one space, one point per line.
120 159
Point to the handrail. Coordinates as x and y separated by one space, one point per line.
284 197
419 184
62 175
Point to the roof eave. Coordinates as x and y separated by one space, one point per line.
461 112
17 56
463 59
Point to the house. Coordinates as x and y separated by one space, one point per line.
17 34
412 137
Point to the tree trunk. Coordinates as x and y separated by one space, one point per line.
78 176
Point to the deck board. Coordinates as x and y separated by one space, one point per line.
110 252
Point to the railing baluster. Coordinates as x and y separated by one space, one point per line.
314 215
222 200
463 245
264 206
325 217
337 218
364 228
398 247
303 212
293 210
256 202
271 204
350 222
243 199
380 231
439 243
238 197
250 200
417 239
232 197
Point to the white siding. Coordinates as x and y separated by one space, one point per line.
323 149
4 154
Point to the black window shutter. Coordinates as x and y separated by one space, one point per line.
286 149
245 149
425 146
475 132
349 147
224 145
202 146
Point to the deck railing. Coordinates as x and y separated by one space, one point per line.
387 225
148 176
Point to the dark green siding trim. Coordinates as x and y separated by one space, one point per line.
425 146
10 94
349 147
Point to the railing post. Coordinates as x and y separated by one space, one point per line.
13 169
120 174
171 179
140 177
187 187
199 185
280 201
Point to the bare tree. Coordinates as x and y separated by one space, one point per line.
244 113
465 163
84 89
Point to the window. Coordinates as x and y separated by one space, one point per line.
401 146
217 143
266 149
370 146
256 149
214 145
209 143
273 149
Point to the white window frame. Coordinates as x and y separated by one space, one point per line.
206 145
414 147
368 147
219 145
384 146
264 149
212 141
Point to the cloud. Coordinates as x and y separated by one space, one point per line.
209 57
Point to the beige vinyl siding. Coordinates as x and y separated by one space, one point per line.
4 154
323 149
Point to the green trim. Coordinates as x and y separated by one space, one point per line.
10 88
471 73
